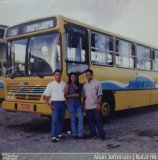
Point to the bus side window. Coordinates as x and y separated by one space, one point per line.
125 55
132 56
155 60
117 46
143 58
101 49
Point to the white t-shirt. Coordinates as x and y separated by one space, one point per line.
55 90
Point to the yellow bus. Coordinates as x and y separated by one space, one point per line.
2 62
127 69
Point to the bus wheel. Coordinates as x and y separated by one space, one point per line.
105 110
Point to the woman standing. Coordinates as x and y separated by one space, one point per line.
73 92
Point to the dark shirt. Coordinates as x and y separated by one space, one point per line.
72 90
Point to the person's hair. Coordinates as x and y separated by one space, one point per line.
57 71
89 71
76 75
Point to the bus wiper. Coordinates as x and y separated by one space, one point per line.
8 69
11 68
18 71
15 73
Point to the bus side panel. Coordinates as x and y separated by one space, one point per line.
1 93
154 92
132 99
117 80
143 98
120 101
154 97
144 93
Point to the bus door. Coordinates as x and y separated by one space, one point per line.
76 49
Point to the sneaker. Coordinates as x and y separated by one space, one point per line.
61 136
55 140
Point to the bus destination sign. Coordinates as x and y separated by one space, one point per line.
30 27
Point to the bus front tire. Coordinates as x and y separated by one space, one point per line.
107 111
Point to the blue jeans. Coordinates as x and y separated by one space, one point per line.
76 109
93 116
58 114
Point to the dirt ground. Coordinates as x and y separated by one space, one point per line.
132 131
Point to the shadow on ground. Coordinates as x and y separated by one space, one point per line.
38 125
135 112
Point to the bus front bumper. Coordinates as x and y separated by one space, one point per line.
39 108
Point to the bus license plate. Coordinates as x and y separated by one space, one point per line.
25 107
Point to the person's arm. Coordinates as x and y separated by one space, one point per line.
83 96
100 93
100 99
47 95
46 98
99 103
66 91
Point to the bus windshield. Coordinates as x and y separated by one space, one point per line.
34 56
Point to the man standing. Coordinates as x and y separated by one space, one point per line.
92 95
55 91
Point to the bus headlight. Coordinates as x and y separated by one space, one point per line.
9 97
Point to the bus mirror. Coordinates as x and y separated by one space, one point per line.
31 60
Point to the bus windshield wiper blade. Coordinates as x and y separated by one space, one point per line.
17 71
14 74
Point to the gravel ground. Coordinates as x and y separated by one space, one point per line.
132 131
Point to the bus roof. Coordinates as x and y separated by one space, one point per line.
69 20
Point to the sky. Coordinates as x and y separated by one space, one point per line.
136 19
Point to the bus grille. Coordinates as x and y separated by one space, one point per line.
27 97
26 92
